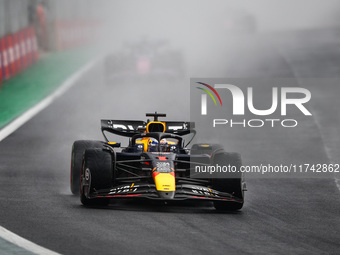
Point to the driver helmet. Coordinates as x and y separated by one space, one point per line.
163 147
153 145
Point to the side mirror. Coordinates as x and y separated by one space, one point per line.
115 145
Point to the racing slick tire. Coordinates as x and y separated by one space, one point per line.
233 185
78 149
206 148
97 173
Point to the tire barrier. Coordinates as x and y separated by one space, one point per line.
18 51
4 59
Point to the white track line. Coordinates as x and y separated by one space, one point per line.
316 120
17 123
337 182
23 243
29 114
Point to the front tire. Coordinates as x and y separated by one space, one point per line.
78 149
97 174
233 185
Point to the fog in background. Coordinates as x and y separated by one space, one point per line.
192 21
204 30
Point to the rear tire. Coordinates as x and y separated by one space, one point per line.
206 148
97 174
232 185
78 149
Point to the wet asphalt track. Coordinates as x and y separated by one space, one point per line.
282 216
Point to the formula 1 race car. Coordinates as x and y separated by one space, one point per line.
144 60
155 165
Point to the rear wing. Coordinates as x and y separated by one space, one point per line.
129 128
126 128
179 127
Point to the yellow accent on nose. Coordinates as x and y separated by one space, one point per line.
165 181
205 145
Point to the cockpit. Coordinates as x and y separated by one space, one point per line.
150 144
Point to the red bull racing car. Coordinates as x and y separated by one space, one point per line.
156 164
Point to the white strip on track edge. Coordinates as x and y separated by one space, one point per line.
17 123
327 149
25 244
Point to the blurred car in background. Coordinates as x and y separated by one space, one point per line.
239 21
144 59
